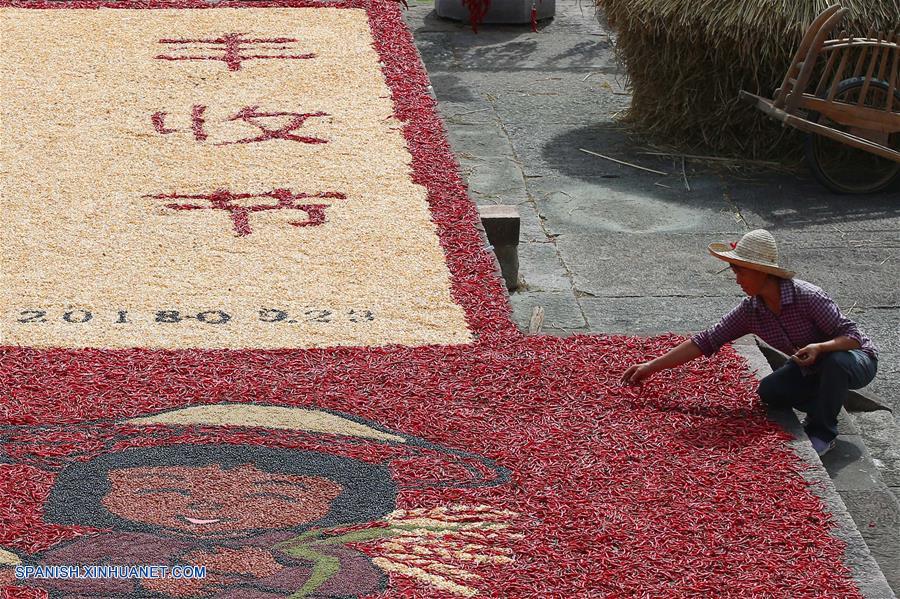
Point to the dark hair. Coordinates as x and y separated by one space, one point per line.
76 498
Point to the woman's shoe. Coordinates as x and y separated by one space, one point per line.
821 446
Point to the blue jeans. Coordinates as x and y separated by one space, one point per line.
821 391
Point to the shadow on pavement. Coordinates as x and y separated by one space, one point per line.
786 200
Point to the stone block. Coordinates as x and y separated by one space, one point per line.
501 226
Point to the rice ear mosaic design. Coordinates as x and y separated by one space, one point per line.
303 376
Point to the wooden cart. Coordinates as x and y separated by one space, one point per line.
843 93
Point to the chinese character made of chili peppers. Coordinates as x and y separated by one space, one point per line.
235 49
239 212
252 115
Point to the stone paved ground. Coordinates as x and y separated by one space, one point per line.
607 248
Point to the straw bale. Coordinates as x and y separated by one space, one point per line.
688 59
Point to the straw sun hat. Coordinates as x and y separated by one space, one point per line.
755 250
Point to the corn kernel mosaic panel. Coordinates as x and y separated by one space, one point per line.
230 178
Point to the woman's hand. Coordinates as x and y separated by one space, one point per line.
685 352
807 356
637 373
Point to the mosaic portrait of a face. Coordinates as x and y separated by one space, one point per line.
313 515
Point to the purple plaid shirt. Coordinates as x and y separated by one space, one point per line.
808 315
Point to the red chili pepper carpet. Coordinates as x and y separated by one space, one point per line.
249 324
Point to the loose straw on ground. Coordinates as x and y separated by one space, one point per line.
712 158
643 168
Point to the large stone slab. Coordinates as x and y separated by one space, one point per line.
545 97
850 465
887 386
651 316
540 268
880 432
480 140
883 326
448 86
560 97
555 149
532 225
495 180
610 264
862 278
477 111
679 264
799 204
578 205
561 311
436 46
503 50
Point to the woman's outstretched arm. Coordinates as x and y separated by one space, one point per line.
685 352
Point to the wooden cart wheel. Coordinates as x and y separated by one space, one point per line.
847 170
